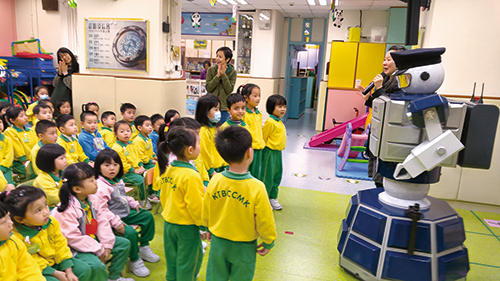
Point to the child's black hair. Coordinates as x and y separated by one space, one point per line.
84 115
12 113
4 104
105 156
47 155
185 122
232 143
63 119
106 114
234 98
228 53
60 103
38 88
85 107
273 101
205 103
42 126
121 122
126 106
4 122
155 117
40 105
73 175
139 120
3 209
18 200
177 140
246 89
169 114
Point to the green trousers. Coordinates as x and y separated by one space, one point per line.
231 260
98 271
150 187
146 221
183 251
8 176
80 269
256 165
272 171
136 180
25 175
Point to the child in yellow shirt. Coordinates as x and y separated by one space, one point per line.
42 111
40 93
143 143
6 158
74 151
127 111
51 160
108 120
236 105
47 133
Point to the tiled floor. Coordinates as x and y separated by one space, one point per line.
313 209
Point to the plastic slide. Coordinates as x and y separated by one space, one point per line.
337 131
351 146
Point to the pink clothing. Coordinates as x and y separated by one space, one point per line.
70 221
103 195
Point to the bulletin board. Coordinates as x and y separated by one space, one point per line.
117 44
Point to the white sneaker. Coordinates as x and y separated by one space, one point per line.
148 255
138 268
145 204
122 279
204 244
275 204
153 198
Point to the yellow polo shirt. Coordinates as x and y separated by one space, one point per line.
254 122
274 133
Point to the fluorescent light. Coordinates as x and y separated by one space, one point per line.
243 2
322 2
336 2
311 2
232 2
222 2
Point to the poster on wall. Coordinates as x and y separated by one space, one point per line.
207 24
117 44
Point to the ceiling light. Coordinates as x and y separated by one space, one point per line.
336 2
311 2
232 2
322 2
222 2
243 2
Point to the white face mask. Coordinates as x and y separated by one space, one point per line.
217 116
44 97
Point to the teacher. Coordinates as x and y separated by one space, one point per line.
221 79
67 66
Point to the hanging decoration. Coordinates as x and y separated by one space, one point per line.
196 20
72 3
235 9
213 2
338 18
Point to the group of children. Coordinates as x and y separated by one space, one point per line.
76 213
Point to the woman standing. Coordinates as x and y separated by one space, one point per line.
62 81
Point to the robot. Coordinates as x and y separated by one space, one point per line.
400 233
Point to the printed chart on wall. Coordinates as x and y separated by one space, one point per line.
117 44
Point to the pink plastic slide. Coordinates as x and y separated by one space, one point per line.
337 131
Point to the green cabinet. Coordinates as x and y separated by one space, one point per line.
396 26
297 99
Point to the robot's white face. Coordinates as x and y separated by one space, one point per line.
422 80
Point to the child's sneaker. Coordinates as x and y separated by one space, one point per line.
148 255
275 204
122 279
153 198
145 204
138 268
204 245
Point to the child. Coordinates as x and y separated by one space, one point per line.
253 118
62 107
157 121
42 235
42 111
74 151
90 139
108 119
181 198
87 231
208 115
171 115
51 160
123 211
236 105
6 158
94 107
132 166
143 143
40 93
274 133
235 196
128 114
47 133
4 106
17 263
23 140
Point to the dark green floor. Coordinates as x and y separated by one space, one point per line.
310 252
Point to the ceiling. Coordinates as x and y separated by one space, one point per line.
299 8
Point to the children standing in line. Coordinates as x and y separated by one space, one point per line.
17 263
181 198
253 118
87 231
123 211
157 120
51 160
128 114
6 158
274 133
90 139
42 235
108 119
74 151
42 111
236 105
235 196
47 133
94 107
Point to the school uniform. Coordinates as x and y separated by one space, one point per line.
236 211
108 136
182 197
99 125
17 263
131 162
211 158
91 144
230 122
274 133
23 141
6 157
74 151
87 244
134 131
144 148
34 153
3 182
154 140
254 122
50 250
50 184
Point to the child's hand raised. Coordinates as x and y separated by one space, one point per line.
104 257
262 251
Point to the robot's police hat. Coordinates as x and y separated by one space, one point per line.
418 57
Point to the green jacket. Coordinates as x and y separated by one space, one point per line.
223 86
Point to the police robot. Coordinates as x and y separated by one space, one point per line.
400 233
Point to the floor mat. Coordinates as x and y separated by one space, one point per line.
352 170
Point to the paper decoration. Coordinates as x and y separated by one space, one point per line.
235 9
213 2
195 20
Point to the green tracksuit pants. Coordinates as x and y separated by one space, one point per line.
8 176
231 260
136 180
256 165
80 269
272 171
20 169
183 251
146 221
